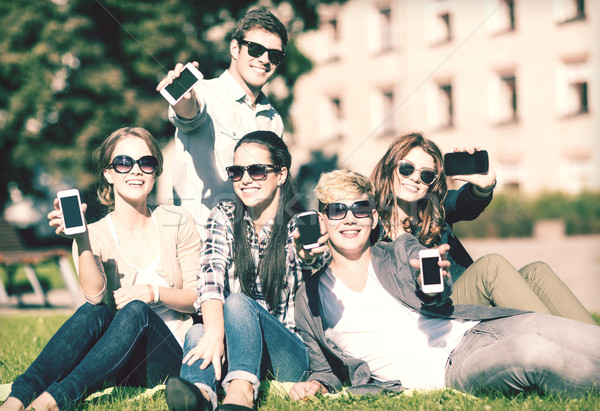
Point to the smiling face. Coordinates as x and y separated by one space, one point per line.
133 186
252 73
410 189
260 196
350 235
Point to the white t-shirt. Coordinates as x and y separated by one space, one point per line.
148 275
396 342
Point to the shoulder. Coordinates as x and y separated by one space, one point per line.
172 215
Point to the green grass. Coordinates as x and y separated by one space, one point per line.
48 273
23 335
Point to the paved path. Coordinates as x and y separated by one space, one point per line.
575 259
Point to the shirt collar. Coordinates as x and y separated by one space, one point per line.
237 92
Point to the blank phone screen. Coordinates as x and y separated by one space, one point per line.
431 270
308 226
71 212
181 84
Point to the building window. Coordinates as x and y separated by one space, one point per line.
510 175
503 102
438 22
569 10
385 27
572 93
575 171
329 39
445 106
331 119
445 28
387 98
502 15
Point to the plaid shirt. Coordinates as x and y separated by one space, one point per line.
217 272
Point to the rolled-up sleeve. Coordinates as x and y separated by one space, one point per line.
187 125
215 258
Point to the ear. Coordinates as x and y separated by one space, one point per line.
107 175
282 177
234 49
375 219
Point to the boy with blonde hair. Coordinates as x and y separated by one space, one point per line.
367 324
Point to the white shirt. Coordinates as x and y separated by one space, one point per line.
204 145
396 342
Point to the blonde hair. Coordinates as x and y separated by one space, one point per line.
339 184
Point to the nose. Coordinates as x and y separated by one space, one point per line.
136 169
246 177
350 217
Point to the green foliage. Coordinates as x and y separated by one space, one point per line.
512 215
71 72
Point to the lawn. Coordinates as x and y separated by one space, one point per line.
23 335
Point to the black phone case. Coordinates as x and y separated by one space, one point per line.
463 163
309 228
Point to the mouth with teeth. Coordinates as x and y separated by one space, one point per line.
136 183
350 232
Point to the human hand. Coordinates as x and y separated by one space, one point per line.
187 105
57 221
309 255
210 349
485 182
128 293
301 390
443 263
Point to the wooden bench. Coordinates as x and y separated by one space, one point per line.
13 254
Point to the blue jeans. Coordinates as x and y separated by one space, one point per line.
527 352
258 346
133 347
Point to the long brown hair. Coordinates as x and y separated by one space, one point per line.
103 154
427 219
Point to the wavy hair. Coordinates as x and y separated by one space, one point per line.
427 218
272 267
260 18
103 155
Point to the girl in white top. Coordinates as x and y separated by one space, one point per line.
137 261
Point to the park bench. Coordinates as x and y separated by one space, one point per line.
14 254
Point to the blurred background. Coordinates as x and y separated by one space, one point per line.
519 78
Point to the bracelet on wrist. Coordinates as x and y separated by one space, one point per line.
487 191
156 293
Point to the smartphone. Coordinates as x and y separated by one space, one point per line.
463 163
431 273
175 91
309 228
70 205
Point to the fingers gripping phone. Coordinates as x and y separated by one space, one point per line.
181 85
70 205
431 273
309 228
463 163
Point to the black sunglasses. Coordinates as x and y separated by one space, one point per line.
123 164
426 175
338 211
257 50
257 172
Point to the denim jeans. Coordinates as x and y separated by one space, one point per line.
258 346
133 347
527 352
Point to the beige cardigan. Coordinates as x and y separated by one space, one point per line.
179 257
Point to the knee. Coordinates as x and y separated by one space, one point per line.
194 334
94 312
238 305
490 267
134 308
538 270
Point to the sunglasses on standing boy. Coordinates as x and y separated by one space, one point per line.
123 164
257 50
338 211
426 175
257 172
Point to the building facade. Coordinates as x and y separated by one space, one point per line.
519 78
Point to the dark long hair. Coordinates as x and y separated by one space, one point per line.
428 220
273 265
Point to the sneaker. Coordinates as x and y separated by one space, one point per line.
182 395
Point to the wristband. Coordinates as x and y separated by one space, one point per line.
156 293
486 192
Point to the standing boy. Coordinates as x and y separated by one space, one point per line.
218 112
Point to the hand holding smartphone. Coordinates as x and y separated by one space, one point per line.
70 205
463 163
432 280
309 228
181 85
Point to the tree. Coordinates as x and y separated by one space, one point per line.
73 71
